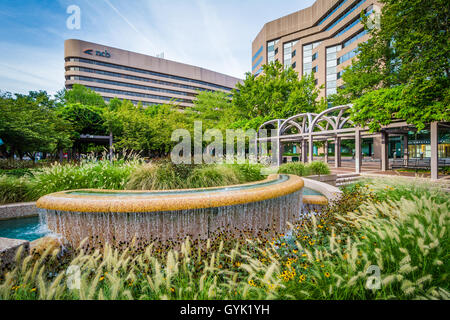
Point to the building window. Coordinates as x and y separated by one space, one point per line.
289 53
271 50
354 38
308 57
294 65
331 13
257 54
331 66
345 15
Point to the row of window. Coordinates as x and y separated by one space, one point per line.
354 38
348 56
308 57
135 94
119 75
110 65
331 66
135 102
332 12
257 63
257 54
289 53
130 85
342 17
272 51
369 10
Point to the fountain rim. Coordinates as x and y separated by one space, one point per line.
85 200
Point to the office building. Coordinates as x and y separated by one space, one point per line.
117 73
321 39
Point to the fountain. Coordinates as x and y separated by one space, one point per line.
258 209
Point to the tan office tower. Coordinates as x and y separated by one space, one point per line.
113 72
321 39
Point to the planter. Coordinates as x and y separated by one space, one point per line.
328 179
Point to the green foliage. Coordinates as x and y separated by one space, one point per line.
296 168
214 109
402 71
84 119
29 124
13 189
79 94
326 257
166 176
319 168
302 170
86 175
275 94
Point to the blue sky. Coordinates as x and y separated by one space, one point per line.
214 34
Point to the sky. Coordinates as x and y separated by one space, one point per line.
213 34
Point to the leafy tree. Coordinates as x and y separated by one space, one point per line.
213 109
81 94
402 70
30 124
276 93
85 119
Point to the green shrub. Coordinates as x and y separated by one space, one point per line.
16 172
302 170
296 168
249 172
213 176
14 189
86 175
162 176
318 168
166 176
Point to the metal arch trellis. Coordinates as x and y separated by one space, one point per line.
325 126
310 121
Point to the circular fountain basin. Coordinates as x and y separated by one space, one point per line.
254 209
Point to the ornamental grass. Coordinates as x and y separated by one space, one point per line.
384 239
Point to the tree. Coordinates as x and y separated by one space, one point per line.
213 109
81 94
85 119
277 93
30 124
402 70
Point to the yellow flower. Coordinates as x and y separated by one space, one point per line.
101 278
294 251
33 290
172 289
327 274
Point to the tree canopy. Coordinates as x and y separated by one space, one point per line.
30 123
277 93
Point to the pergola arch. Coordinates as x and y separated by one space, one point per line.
327 126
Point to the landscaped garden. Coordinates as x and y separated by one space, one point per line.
399 227
132 174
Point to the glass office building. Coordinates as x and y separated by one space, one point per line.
321 39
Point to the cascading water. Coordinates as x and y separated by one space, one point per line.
281 203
